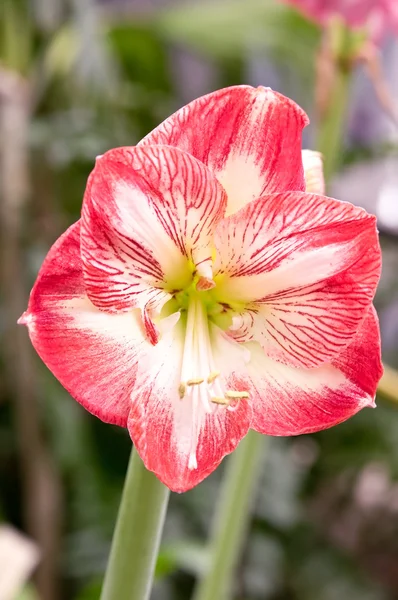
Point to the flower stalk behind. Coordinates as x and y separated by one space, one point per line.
232 518
331 124
137 535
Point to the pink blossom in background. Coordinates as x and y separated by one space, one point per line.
378 16
209 287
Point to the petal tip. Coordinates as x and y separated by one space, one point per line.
372 403
368 402
263 88
25 318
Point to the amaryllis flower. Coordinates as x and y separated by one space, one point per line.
378 17
204 291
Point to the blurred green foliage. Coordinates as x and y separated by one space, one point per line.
229 28
326 516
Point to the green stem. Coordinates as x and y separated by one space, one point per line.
137 535
331 128
231 519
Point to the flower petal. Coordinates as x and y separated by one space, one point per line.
289 401
92 353
148 220
250 138
313 171
306 267
179 439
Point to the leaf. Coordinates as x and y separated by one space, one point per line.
141 54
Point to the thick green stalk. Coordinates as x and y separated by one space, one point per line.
331 127
137 535
231 519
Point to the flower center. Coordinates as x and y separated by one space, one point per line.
201 382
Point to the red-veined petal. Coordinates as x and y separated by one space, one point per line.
313 172
177 438
291 401
249 137
306 267
148 220
92 353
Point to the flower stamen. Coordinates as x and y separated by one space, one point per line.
236 395
213 376
200 383
219 400
199 378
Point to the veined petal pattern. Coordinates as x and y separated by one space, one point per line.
148 220
304 268
250 138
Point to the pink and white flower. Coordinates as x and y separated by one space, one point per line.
204 292
378 17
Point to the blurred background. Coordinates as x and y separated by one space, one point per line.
78 77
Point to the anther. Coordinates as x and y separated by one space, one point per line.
219 400
182 388
213 376
236 395
196 381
